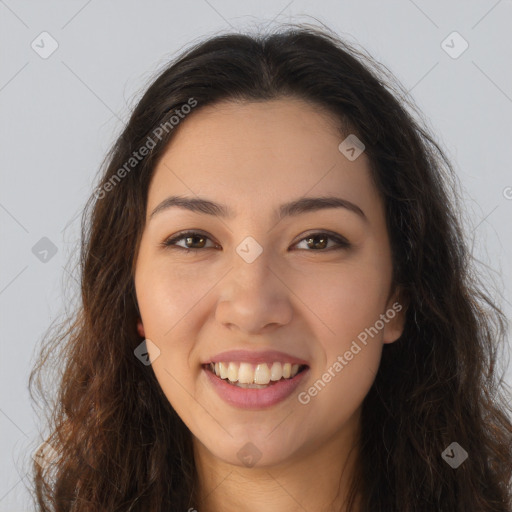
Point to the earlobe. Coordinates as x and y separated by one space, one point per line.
140 328
395 318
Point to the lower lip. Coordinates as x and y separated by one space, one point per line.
253 398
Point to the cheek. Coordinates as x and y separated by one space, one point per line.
166 302
347 298
166 295
334 395
178 383
347 362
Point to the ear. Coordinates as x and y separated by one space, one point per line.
140 328
394 320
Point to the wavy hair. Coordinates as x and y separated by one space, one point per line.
120 446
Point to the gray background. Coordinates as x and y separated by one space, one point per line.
59 116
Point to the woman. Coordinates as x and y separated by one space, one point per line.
278 309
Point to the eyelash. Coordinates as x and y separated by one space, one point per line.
170 242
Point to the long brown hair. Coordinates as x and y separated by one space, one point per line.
119 444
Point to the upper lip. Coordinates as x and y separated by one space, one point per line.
252 356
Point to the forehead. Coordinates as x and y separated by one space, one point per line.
252 153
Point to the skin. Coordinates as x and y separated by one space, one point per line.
254 156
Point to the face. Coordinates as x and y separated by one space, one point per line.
305 289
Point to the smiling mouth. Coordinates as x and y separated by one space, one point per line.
255 376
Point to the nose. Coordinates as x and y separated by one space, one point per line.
254 297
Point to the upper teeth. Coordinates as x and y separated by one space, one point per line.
246 373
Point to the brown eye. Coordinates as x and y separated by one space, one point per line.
319 242
193 241
199 239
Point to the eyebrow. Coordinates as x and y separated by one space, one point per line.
292 208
